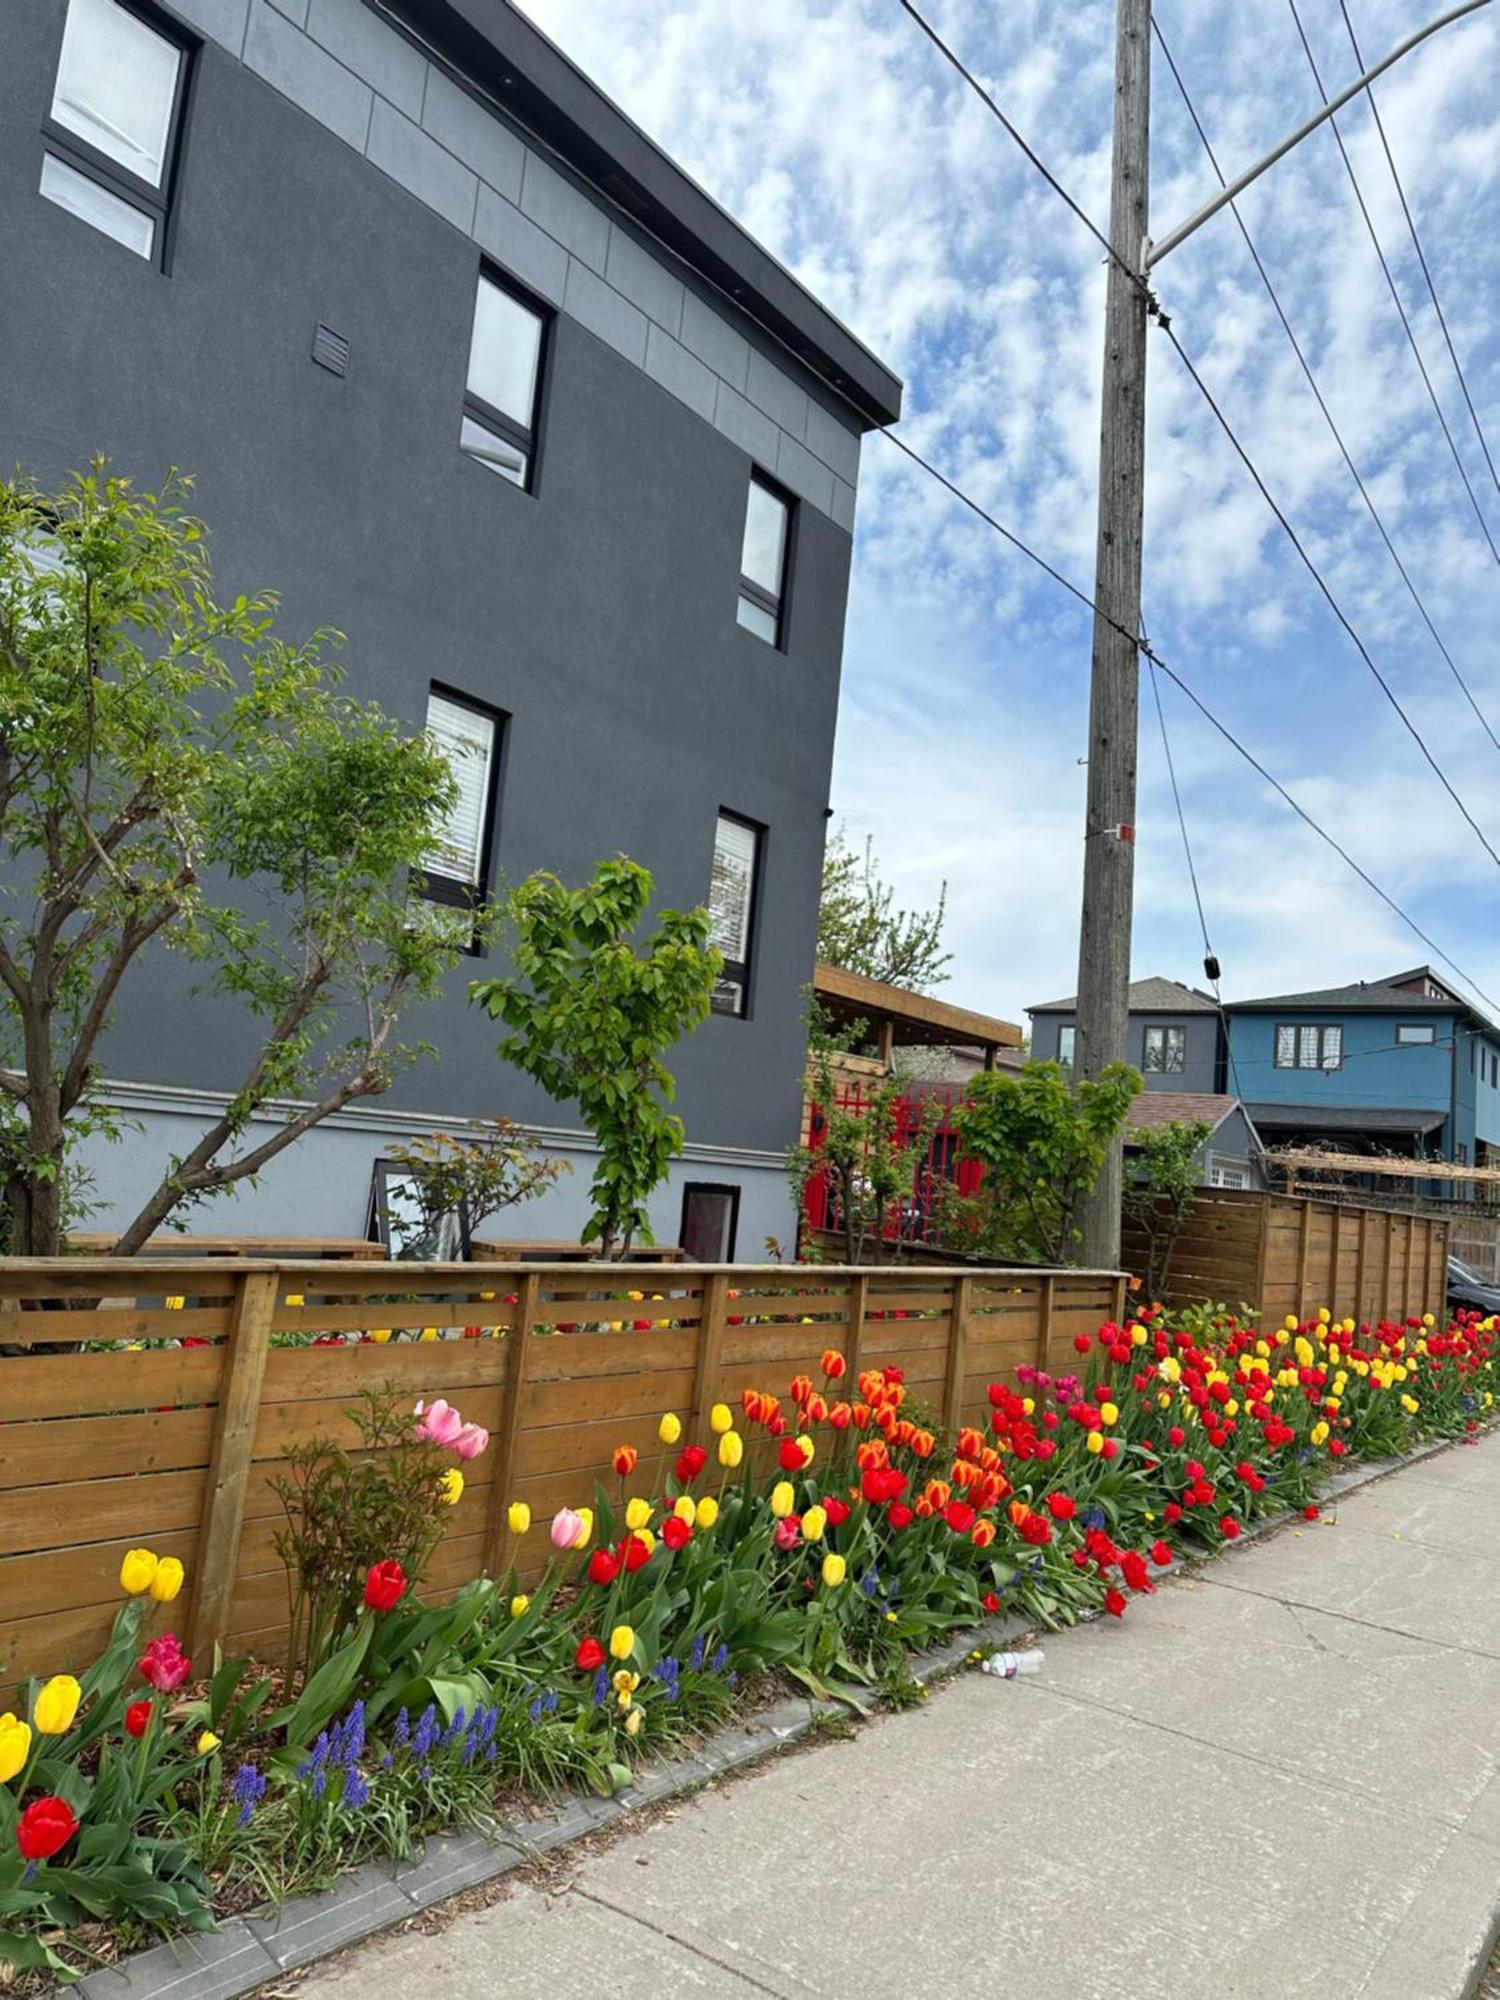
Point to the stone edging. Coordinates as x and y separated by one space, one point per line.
248 1952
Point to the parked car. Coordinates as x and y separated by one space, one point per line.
1467 1289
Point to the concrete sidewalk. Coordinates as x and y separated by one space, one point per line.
1276 1778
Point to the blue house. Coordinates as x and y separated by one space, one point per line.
1402 1065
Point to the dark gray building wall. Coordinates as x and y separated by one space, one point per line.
1201 1070
598 612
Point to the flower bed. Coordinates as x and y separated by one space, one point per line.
826 1535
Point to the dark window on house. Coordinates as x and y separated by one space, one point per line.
1304 1046
1066 1037
1415 1032
1461 1153
763 560
504 380
731 908
456 872
112 129
710 1218
1166 1049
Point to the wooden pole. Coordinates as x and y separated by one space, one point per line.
711 1323
1109 826
1362 1271
1044 1322
256 1296
500 1543
958 1351
1304 1246
854 1336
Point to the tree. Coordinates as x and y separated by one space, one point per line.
590 1018
1159 1195
860 929
157 747
444 1178
1041 1139
867 1156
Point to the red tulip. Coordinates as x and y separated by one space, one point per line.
690 1463
1133 1569
675 1532
624 1460
1310 1513
1160 1554
637 1553
589 1657
1229 1528
990 1602
1114 1602
790 1456
1061 1506
604 1566
385 1585
899 1515
836 1509
44 1827
959 1515
164 1664
138 1718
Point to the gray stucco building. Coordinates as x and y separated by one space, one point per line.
463 365
1174 1035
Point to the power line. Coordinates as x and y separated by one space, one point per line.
1421 254
1228 735
1333 126
1318 396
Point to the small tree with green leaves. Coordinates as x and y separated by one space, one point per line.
1042 1141
1158 1196
867 1156
501 1166
861 929
591 1016
173 775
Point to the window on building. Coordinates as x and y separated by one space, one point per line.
1228 1174
731 909
1461 1153
768 522
455 874
111 132
710 1217
1166 1049
1301 1045
1415 1033
504 381
1066 1037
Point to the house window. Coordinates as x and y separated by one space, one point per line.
455 873
731 909
505 373
1228 1174
1066 1037
1301 1046
111 133
1415 1033
768 520
1166 1049
710 1218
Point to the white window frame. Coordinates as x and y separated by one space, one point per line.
1228 1173
732 989
448 877
1164 1030
1068 1034
1416 1034
1321 1033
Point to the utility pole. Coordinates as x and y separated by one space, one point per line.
1109 826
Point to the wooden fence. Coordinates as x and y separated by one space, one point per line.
175 1444
1280 1255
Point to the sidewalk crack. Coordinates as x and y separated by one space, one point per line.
662 1930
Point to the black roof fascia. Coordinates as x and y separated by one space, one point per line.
514 63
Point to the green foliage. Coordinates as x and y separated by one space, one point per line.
861 929
1159 1194
591 1016
442 1176
1042 1140
154 742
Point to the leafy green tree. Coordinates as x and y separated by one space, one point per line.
867 1156
1042 1140
1158 1196
861 929
168 765
590 1018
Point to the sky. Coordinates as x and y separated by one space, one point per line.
840 139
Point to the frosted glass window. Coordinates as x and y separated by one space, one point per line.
117 85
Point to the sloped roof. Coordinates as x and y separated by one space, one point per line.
1153 1109
1373 996
1147 996
1342 1118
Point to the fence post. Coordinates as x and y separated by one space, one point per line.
711 1319
497 1554
1304 1246
1044 1322
859 1305
958 1350
1362 1272
256 1296
1120 1290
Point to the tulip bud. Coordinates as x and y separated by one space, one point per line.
136 1571
208 1743
167 1581
56 1705
15 1746
637 1513
720 1419
783 1499
731 1449
685 1509
834 1568
518 1517
451 1487
622 1642
814 1522
518 1604
708 1511
633 1722
669 1430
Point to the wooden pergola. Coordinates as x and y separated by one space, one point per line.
1383 1166
898 1019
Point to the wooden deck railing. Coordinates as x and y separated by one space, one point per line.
170 1427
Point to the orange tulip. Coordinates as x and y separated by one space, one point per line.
817 1408
861 1414
624 1459
870 1454
937 1492
801 1388
970 1443
1018 1511
922 1444
983 1535
832 1363
840 1416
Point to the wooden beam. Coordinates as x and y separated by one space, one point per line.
710 1343
257 1294
854 1331
1304 1248
500 1543
1044 1321
960 1026
958 1353
1362 1270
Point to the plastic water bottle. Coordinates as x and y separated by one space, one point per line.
1007 1666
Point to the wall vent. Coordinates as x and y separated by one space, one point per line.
330 350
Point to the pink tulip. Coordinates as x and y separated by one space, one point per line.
566 1528
471 1440
788 1533
441 1424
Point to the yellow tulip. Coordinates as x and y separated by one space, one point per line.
621 1642
518 1517
1410 1405
175 1301
296 1299
1028 1406
1138 1336
637 1513
137 1571
633 1722
648 1538
1324 1315
708 1511
56 1705
585 1528
1109 1413
451 1487
1095 1442
380 1334
15 1746
834 1568
731 1449
808 1448
429 1333
720 1419
814 1521
168 1580
625 1682
1318 1433
518 1604
783 1499
669 1430
685 1509
622 1699
208 1743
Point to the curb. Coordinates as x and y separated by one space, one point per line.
251 1951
